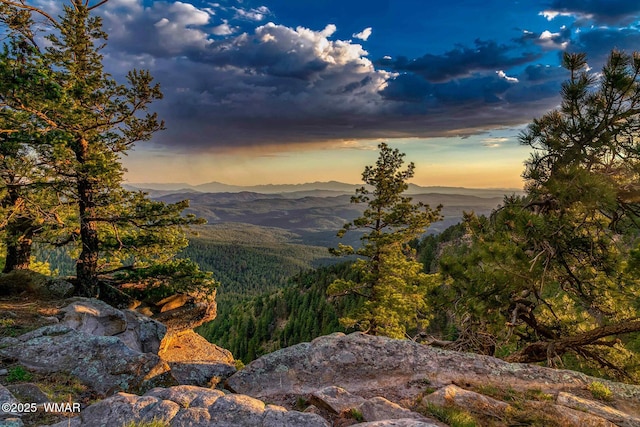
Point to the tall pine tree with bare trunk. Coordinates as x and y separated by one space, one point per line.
95 121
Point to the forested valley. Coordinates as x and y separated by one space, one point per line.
296 309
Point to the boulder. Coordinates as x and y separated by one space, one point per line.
6 397
187 396
183 406
96 317
380 409
194 360
335 399
121 409
93 317
188 346
456 396
201 373
142 334
104 363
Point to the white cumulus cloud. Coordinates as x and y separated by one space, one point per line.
364 34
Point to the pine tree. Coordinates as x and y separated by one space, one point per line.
392 282
30 203
95 121
550 273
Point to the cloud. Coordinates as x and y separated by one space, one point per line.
231 83
363 35
257 14
503 75
598 42
461 62
610 12
494 142
163 29
223 29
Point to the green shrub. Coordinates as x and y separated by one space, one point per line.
356 415
600 391
450 415
18 374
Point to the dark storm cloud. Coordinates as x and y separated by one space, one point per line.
610 12
460 62
546 39
231 79
598 43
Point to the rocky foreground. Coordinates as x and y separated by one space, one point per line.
139 370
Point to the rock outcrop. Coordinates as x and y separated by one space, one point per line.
95 317
114 350
104 363
190 406
181 312
404 372
341 380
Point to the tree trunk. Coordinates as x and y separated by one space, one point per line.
18 248
87 265
18 233
544 350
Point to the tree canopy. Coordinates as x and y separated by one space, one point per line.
553 275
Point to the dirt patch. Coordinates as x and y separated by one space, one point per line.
19 314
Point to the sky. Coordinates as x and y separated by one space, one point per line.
284 91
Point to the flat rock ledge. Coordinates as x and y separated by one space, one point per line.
370 365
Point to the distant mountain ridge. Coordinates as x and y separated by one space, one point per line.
314 187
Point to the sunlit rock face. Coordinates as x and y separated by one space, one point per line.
183 312
195 361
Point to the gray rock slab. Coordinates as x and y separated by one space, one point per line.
335 399
7 397
28 392
104 363
94 317
380 409
203 374
142 333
